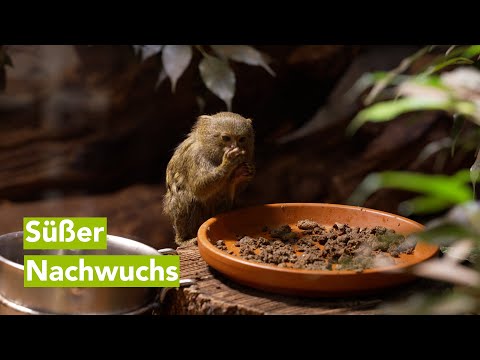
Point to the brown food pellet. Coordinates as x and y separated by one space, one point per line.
280 231
221 245
307 224
340 247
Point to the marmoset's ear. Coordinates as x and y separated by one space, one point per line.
203 120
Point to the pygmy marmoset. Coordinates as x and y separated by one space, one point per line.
207 171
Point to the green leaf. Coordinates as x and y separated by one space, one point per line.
422 205
218 78
389 110
243 53
454 61
429 80
446 233
472 51
467 108
175 59
441 186
378 75
453 51
461 176
447 188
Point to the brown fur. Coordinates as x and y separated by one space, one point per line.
207 171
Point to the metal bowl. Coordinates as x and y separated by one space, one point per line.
16 299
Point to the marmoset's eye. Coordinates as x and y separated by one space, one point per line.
242 139
226 138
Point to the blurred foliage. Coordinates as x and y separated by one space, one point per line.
456 92
214 67
439 192
462 221
449 83
458 235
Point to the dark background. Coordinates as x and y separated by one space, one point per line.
84 132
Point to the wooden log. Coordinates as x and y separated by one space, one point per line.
213 294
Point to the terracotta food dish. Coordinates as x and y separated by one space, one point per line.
313 283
